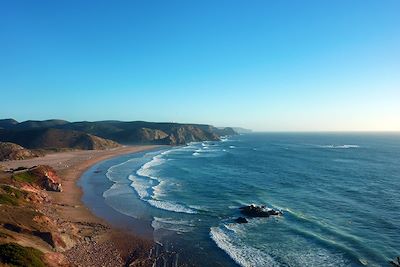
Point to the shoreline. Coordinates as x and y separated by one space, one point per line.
95 242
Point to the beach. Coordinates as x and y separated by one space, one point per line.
94 242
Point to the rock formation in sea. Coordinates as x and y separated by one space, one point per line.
241 220
258 211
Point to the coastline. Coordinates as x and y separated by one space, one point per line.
94 242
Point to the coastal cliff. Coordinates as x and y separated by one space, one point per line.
102 134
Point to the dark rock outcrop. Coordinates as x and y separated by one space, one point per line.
241 220
11 151
258 211
395 263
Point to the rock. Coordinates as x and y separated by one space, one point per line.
48 178
259 211
241 220
41 177
394 263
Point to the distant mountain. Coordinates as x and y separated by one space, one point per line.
60 133
240 130
7 123
11 151
226 131
48 138
39 124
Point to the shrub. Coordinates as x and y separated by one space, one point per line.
8 200
25 177
17 255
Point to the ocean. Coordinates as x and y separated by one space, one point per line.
339 194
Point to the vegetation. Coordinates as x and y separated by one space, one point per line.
13 191
25 177
17 255
10 195
8 199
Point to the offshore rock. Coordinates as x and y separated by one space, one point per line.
241 220
259 211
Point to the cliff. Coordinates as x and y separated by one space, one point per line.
38 177
188 133
25 231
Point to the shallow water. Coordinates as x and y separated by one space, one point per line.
340 194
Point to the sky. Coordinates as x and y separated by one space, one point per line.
264 65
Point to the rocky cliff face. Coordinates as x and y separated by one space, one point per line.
21 221
11 151
92 142
39 177
140 136
47 178
188 133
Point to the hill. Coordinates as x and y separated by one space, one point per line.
39 124
48 138
11 151
7 123
43 134
240 130
150 132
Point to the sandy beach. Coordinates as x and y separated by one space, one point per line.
96 243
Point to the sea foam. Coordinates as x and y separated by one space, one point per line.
143 187
244 255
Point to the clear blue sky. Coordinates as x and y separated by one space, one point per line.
266 65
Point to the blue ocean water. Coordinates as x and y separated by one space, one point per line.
340 195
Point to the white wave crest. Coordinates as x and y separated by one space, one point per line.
339 146
158 190
146 169
113 169
241 253
140 187
170 206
